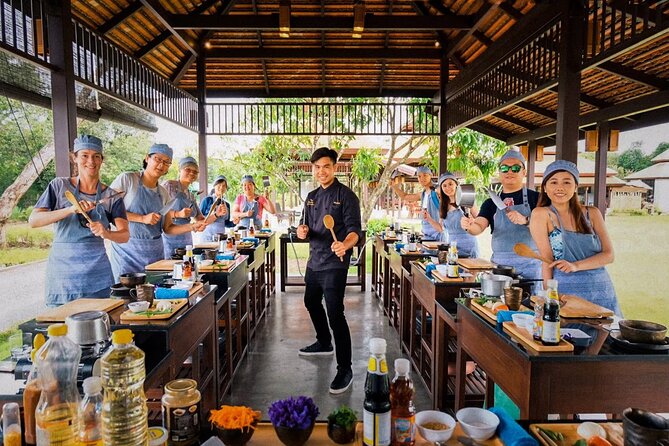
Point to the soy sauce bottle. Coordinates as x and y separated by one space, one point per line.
376 406
550 333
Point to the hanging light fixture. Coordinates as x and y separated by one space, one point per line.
284 19
358 19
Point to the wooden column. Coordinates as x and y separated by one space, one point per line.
569 81
443 135
604 137
63 98
531 161
202 122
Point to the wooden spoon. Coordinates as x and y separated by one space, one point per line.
328 221
72 199
525 251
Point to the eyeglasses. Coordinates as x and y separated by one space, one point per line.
515 168
161 161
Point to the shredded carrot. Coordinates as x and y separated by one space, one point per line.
234 417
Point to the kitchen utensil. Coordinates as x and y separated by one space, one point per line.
434 416
131 280
497 200
494 284
523 320
480 424
210 254
329 223
525 251
168 206
111 197
636 347
119 290
265 181
512 297
73 200
643 332
138 307
465 196
88 327
213 207
644 427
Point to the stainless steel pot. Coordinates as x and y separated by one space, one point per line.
88 327
465 195
494 284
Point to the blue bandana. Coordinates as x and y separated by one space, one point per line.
447 176
163 149
512 154
88 142
186 161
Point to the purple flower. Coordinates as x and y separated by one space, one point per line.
300 412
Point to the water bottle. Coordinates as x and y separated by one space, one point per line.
90 413
376 406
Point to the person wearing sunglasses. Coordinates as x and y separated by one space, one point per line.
150 214
219 218
185 205
509 226
78 265
429 201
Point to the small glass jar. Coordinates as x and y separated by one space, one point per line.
181 412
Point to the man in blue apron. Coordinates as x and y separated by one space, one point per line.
78 265
510 225
218 218
149 213
328 263
249 206
429 202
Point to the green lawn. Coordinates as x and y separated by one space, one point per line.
25 244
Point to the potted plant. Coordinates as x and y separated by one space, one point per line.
234 425
293 419
341 425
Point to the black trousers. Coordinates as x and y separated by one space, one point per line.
330 284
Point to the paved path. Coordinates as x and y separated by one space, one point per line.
21 293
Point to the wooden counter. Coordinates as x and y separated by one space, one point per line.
380 267
270 260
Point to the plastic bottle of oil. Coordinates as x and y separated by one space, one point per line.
124 411
57 413
32 392
90 413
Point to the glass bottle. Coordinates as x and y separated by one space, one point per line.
538 322
376 406
181 411
187 273
550 333
402 409
90 413
453 271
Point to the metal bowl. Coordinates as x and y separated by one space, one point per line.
642 332
88 327
131 280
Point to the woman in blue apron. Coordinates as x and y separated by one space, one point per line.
218 218
249 206
429 203
149 213
185 205
78 265
575 236
511 224
451 215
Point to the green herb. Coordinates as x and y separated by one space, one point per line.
556 436
581 442
343 416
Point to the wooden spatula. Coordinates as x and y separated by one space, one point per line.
525 251
72 199
328 221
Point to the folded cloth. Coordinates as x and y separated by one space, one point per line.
510 432
398 246
171 293
254 240
266 230
429 268
225 257
506 315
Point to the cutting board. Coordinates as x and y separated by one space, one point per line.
614 433
162 265
476 263
177 304
206 245
525 338
444 278
220 265
431 245
576 307
484 311
411 253
77 306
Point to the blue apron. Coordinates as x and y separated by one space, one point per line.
248 206
507 234
429 233
78 265
170 242
467 244
145 245
217 226
593 285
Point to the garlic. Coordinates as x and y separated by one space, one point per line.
589 429
164 305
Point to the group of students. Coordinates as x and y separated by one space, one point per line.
143 219
552 222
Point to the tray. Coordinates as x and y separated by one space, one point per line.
476 263
436 274
77 306
485 312
525 338
177 304
161 265
614 433
220 266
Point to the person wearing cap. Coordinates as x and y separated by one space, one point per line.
511 224
249 206
451 215
327 267
185 205
574 236
78 265
429 201
219 218
149 213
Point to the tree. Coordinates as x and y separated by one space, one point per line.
661 148
633 160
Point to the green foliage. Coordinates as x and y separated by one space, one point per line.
21 214
26 237
366 164
19 256
661 148
633 160
343 416
377 225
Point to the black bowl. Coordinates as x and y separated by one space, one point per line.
119 290
234 437
131 280
642 332
504 270
644 428
181 252
293 436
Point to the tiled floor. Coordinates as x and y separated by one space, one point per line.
273 370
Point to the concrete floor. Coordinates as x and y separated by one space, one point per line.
273 370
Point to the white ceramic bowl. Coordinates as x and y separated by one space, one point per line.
442 269
183 285
480 424
523 320
138 307
427 416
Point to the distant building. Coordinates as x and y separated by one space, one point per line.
657 177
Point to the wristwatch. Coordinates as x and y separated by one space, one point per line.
527 222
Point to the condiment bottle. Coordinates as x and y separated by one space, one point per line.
537 323
453 271
376 406
11 424
187 273
252 229
181 412
402 409
550 333
32 392
266 224
90 413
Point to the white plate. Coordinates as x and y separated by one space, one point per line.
183 285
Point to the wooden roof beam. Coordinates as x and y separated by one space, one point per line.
119 18
482 15
633 75
514 120
587 99
323 53
165 17
550 114
213 92
183 68
155 42
490 130
510 11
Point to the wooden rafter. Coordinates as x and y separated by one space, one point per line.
119 18
164 17
588 99
323 53
482 15
515 121
634 75
550 114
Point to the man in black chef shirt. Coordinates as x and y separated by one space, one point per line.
328 263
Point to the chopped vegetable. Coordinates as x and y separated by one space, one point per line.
499 307
597 441
556 436
589 429
234 417
580 442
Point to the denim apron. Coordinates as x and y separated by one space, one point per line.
145 245
218 226
507 234
182 200
467 244
78 265
593 285
429 233
246 206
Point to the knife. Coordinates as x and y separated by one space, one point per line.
168 206
497 199
111 197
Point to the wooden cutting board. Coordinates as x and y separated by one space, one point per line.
411 253
484 311
162 265
206 245
220 265
77 306
443 278
525 338
614 433
431 245
177 304
476 263
576 307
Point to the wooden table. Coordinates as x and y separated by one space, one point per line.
270 260
599 379
380 267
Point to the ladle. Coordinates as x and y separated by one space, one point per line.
525 251
329 222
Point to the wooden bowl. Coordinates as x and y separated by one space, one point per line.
642 332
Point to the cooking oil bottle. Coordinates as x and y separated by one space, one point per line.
124 412
56 416
90 413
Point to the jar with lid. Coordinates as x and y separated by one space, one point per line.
442 253
181 412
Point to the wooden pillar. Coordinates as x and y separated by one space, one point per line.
531 161
201 67
443 135
599 192
63 97
569 78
